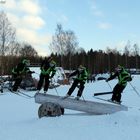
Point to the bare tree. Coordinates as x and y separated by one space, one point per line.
136 54
81 50
64 42
28 51
127 52
71 45
7 38
57 43
15 49
7 34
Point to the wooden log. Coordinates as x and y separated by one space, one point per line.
80 105
50 110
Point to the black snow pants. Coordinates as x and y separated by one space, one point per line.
17 79
118 89
74 85
41 81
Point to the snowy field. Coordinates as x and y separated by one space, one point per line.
19 117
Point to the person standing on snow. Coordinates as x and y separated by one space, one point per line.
123 78
48 70
19 72
81 78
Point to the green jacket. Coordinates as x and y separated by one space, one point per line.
20 69
80 75
48 69
123 77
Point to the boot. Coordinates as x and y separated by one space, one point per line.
117 102
66 96
77 98
37 92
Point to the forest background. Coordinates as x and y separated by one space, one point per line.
65 50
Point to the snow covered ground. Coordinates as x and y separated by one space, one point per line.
19 117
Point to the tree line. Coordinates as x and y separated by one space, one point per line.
99 61
65 51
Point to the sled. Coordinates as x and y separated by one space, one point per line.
91 107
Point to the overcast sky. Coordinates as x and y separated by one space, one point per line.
96 23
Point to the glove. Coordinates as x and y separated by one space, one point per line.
69 76
78 86
32 71
50 77
129 79
51 80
